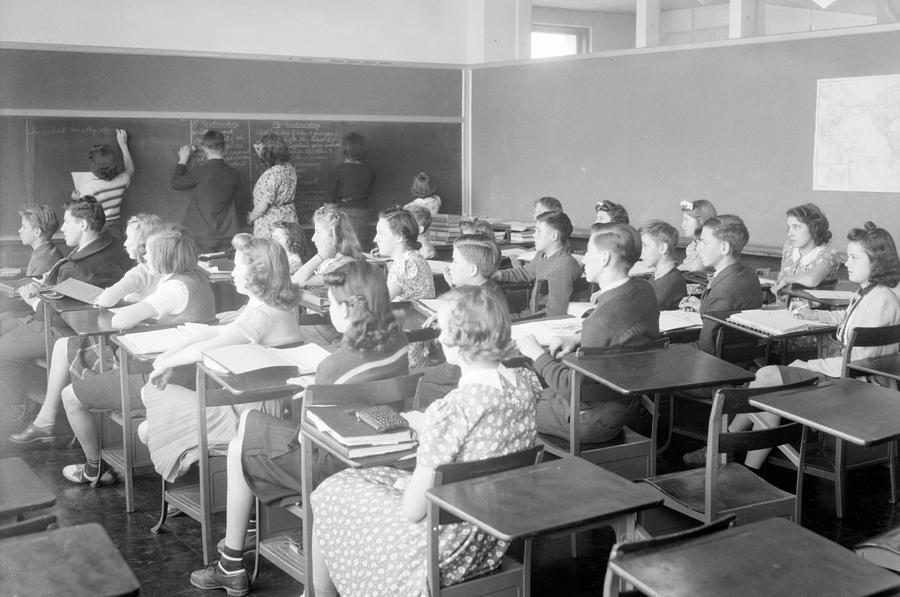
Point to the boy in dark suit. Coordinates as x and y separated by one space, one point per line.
626 315
658 241
734 286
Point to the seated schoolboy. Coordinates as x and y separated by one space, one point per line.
610 213
658 242
474 262
423 219
264 458
95 258
476 226
734 286
545 204
553 262
626 315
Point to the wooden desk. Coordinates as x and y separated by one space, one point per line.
20 491
773 557
849 409
559 496
77 561
887 365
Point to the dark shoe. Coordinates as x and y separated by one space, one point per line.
249 542
32 434
236 584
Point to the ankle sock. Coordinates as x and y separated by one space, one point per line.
44 422
231 560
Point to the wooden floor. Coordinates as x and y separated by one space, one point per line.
163 562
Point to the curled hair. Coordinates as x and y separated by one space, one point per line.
338 225
701 210
295 236
661 232
730 229
213 140
421 215
42 217
550 204
621 240
483 253
173 250
879 246
362 287
815 220
617 213
354 147
559 222
274 150
422 186
103 160
478 323
143 226
402 223
476 226
87 208
268 273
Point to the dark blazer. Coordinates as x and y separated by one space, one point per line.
735 288
215 187
669 289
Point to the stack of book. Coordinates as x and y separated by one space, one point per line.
444 228
521 232
353 437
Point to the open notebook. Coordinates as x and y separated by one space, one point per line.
158 341
774 322
252 357
678 320
545 329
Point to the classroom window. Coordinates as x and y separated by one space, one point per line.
559 40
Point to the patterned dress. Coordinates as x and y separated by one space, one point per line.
370 547
276 186
794 264
413 275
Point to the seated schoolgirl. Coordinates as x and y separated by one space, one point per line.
872 262
182 295
424 194
291 238
409 276
369 531
269 318
694 215
335 242
137 283
610 213
423 219
808 258
264 458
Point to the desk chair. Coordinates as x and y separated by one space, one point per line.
279 526
622 552
512 577
721 487
848 457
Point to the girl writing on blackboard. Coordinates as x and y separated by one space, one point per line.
350 184
273 193
108 182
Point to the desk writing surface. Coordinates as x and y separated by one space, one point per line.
65 303
20 489
77 561
262 381
773 557
858 412
90 322
887 365
543 498
678 367
814 329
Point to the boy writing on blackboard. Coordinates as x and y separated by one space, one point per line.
214 187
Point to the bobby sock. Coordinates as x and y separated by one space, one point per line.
231 560
42 421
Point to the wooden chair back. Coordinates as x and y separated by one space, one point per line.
869 336
397 392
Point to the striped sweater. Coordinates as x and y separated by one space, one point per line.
349 366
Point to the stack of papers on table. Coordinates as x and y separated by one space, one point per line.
243 358
774 322
545 329
678 320
356 438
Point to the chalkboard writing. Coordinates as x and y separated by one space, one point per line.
237 141
314 147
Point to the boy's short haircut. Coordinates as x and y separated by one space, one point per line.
476 226
483 253
622 240
43 217
731 229
87 208
661 232
422 216
173 249
550 204
559 222
213 140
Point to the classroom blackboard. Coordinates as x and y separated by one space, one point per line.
43 151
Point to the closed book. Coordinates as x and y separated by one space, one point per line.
340 422
78 290
774 322
375 450
242 358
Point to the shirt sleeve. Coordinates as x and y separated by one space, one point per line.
171 298
443 433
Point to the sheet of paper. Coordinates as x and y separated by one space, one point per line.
80 179
676 320
153 342
545 329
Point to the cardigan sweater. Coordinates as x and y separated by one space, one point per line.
215 187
